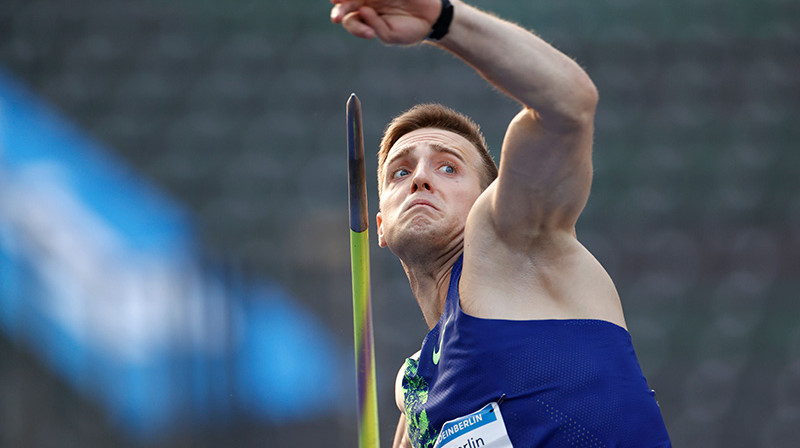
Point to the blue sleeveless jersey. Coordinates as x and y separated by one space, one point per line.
563 383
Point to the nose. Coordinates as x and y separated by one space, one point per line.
421 179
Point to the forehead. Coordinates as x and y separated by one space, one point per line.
433 137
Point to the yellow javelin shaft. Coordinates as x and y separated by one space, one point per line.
362 334
368 436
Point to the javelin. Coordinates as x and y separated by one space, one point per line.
359 262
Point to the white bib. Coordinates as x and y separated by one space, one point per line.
481 429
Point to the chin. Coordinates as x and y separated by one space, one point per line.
420 237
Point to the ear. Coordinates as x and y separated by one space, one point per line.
379 221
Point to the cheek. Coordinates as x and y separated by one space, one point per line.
469 197
389 205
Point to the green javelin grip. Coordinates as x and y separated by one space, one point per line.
359 261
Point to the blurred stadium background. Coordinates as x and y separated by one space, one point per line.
174 266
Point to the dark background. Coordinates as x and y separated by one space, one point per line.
236 109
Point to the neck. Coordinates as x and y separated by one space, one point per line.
429 280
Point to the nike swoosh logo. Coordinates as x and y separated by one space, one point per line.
438 350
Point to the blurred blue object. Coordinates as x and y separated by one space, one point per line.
287 362
100 277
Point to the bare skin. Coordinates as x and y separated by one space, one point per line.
522 259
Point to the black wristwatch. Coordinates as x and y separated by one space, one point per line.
442 25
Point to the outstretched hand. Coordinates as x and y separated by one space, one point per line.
402 22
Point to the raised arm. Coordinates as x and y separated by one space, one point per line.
545 169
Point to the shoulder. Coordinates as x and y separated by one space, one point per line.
536 275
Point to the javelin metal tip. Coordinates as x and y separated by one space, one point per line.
355 156
353 101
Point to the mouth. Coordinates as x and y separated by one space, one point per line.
420 203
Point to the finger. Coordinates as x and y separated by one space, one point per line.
371 19
410 30
354 25
342 8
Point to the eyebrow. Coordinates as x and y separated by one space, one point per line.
402 152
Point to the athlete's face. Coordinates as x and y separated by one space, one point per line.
432 178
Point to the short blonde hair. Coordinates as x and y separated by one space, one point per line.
440 117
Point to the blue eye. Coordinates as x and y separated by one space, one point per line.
400 173
447 169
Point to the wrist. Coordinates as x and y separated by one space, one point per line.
442 24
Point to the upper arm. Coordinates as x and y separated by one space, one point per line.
398 389
401 439
545 175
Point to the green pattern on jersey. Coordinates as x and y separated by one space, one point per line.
415 395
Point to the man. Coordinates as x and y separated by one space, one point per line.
528 344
